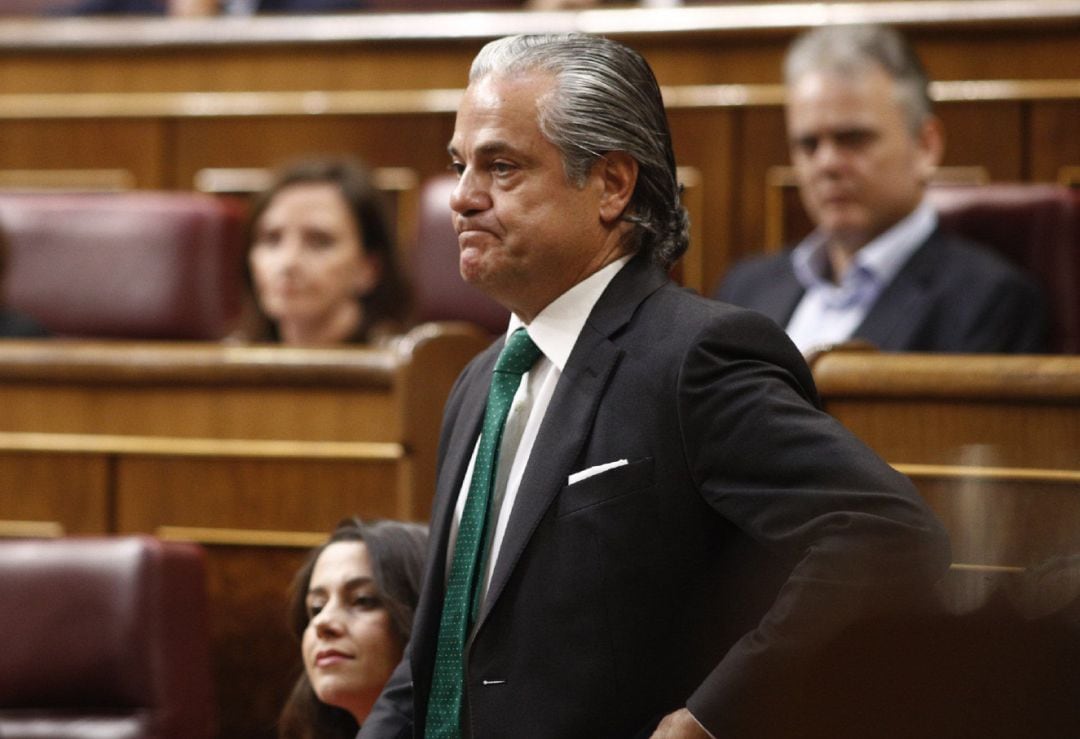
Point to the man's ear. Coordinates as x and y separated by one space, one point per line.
931 141
618 172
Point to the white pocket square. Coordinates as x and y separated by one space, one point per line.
596 470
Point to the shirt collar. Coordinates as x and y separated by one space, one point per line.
880 259
556 328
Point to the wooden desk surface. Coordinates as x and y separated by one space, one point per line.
992 443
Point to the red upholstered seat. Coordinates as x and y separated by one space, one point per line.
104 637
1034 226
137 265
440 293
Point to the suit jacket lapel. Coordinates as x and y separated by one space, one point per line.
779 301
901 308
569 417
467 424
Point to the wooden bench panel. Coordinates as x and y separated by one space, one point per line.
254 451
992 443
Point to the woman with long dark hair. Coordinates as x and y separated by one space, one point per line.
351 609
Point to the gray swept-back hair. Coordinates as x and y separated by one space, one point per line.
605 99
847 50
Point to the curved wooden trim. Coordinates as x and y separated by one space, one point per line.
231 104
135 33
995 474
80 180
180 105
987 568
31 529
1069 176
199 447
192 363
861 374
947 91
207 363
242 537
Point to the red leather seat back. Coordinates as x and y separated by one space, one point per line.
137 265
440 293
106 635
1036 227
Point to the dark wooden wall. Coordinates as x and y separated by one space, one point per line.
164 99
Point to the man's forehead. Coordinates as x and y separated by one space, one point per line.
860 100
496 110
829 84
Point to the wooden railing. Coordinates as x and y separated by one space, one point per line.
992 443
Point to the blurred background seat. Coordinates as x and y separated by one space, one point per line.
1036 227
440 293
134 265
104 637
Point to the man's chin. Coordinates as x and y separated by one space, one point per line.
472 266
846 230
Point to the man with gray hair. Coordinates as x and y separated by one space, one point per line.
642 522
864 144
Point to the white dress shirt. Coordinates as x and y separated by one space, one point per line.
828 312
555 330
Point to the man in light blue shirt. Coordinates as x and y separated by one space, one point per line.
864 144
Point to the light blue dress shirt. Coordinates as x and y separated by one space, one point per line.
830 312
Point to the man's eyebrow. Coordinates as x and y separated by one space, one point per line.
490 148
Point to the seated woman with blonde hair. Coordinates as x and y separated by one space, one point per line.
321 260
351 608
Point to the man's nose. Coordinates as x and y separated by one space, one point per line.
468 196
827 155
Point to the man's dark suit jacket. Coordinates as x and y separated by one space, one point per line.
645 588
950 296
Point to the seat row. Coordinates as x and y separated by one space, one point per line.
168 265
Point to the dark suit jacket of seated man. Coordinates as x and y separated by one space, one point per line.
864 143
676 526
951 295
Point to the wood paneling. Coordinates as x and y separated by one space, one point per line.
1054 142
992 442
67 493
988 134
144 96
287 495
762 145
138 146
707 138
254 451
166 99
255 657
1012 523
418 141
730 144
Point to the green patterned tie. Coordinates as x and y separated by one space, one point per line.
444 703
